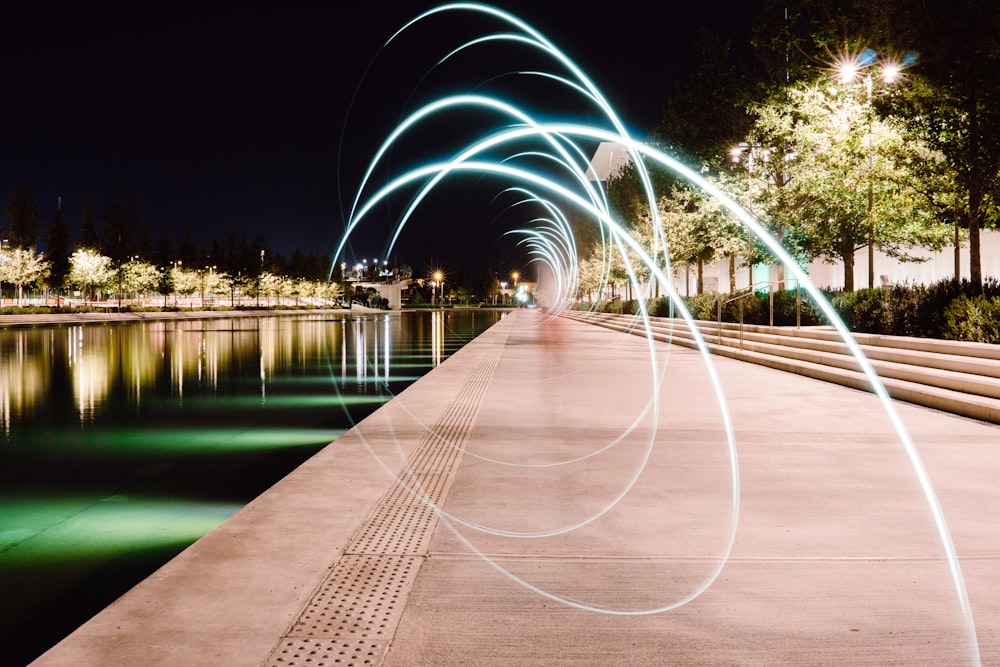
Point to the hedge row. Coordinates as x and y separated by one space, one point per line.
948 310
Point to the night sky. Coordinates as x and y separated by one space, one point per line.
237 119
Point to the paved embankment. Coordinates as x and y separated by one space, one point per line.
525 503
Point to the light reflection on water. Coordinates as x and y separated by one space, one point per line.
121 444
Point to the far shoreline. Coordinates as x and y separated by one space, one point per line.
15 320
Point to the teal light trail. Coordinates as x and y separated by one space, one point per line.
497 153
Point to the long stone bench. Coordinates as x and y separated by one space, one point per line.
958 377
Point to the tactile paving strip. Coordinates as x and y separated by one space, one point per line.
351 617
360 598
296 651
402 523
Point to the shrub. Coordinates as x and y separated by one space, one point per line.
613 307
972 319
945 309
930 302
702 306
661 307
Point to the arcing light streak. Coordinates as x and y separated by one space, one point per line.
435 174
562 59
519 175
550 244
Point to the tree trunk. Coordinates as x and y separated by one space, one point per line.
958 246
871 229
781 266
848 270
701 271
732 272
976 151
975 258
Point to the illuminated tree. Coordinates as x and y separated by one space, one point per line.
287 289
958 111
89 270
220 284
270 285
139 277
699 230
212 283
22 266
185 281
331 291
840 179
951 102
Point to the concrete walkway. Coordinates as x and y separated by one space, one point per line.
526 504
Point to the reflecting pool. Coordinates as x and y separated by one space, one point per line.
120 444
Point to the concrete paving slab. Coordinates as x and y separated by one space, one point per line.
552 509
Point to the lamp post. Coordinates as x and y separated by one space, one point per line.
174 275
343 280
439 281
736 153
889 73
3 260
260 275
207 282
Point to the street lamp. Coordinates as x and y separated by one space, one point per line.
439 281
3 261
752 152
889 72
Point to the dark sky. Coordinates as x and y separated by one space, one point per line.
236 119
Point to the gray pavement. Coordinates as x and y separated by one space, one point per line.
526 503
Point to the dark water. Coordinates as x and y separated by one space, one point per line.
122 444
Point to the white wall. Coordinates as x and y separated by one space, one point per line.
939 266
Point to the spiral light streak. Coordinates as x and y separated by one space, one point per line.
593 94
499 155
520 175
554 242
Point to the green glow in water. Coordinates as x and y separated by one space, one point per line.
121 444
84 525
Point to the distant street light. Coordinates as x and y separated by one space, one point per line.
439 281
3 261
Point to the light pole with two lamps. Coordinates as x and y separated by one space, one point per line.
889 72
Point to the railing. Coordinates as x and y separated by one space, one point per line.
750 291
